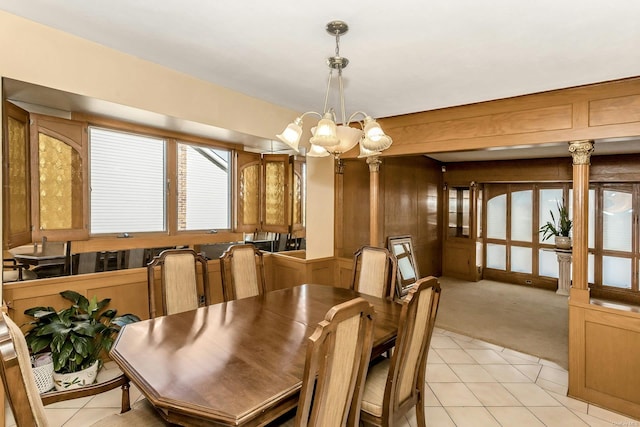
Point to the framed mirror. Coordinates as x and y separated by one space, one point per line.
407 274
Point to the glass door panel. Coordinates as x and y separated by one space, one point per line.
521 216
497 217
617 217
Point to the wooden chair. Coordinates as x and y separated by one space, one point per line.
393 386
27 404
134 258
374 272
179 281
242 271
338 352
87 263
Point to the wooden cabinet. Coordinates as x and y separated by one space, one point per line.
45 176
270 193
16 177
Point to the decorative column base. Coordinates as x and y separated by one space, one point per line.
564 271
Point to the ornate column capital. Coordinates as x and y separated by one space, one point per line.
374 163
581 151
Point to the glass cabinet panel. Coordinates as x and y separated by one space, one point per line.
275 194
17 178
249 197
60 178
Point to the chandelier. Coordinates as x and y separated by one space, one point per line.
328 137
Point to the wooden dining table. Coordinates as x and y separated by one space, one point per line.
237 363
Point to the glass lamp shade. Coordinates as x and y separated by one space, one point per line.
348 137
317 151
364 152
291 135
374 137
326 133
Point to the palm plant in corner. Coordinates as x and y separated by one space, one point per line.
559 228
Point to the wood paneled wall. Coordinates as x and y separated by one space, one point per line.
410 204
609 168
603 359
603 110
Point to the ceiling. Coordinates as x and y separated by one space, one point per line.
407 57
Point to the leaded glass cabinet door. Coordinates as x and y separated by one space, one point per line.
16 177
248 180
58 159
298 186
276 201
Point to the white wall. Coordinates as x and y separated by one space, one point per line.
320 207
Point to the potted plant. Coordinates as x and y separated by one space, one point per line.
560 228
75 336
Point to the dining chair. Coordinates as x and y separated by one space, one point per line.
28 405
374 272
178 281
242 271
134 258
62 266
394 386
336 364
87 263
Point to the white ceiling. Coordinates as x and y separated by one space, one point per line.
405 57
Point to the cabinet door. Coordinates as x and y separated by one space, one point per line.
276 200
298 195
16 177
249 173
59 199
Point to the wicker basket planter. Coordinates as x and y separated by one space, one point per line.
42 366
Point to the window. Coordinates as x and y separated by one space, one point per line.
127 179
204 195
513 215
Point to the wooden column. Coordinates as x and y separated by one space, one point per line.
374 195
338 238
581 153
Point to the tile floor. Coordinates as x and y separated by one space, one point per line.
469 383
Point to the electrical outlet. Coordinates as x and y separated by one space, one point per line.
528 282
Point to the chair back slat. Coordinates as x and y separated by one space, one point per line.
242 271
408 363
374 272
179 278
179 281
339 352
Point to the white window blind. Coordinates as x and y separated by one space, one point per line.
204 194
127 179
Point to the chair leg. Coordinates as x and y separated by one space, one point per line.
126 404
420 411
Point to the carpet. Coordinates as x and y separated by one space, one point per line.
528 320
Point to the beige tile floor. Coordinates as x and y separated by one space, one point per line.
470 383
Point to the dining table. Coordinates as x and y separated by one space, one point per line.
236 363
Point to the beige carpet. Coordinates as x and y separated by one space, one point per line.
529 320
